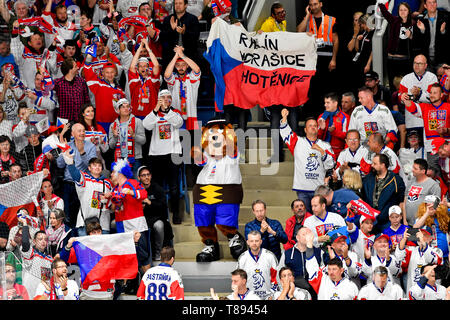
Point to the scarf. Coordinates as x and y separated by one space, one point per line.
329 115
53 295
129 141
182 95
54 235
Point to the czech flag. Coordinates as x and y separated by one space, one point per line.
106 257
260 69
19 194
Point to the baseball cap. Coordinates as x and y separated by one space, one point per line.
371 75
436 144
431 198
364 218
395 209
109 65
427 230
143 59
337 236
381 236
31 129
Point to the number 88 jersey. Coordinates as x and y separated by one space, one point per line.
161 283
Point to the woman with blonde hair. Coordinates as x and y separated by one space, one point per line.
438 220
352 180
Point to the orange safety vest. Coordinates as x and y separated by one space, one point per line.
325 30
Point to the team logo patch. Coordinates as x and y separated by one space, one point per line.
313 162
258 280
414 193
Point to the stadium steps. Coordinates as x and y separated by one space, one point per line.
270 183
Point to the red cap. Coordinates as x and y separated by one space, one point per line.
436 144
109 65
385 236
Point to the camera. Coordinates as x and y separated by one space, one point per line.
352 164
411 96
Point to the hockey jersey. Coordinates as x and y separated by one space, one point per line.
421 290
423 82
261 272
309 164
326 288
129 211
347 155
249 295
161 283
143 92
184 96
393 266
359 241
434 117
379 119
219 171
64 32
336 138
166 133
106 94
299 294
44 106
416 259
320 227
394 162
391 291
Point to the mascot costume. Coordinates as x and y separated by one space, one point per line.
218 191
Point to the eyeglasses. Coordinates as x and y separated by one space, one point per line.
279 13
352 140
145 175
419 63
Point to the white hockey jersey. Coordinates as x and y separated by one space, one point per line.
347 155
425 291
366 121
359 241
394 162
261 272
166 133
393 266
320 227
424 83
309 164
219 171
391 291
249 295
299 294
326 288
161 283
417 259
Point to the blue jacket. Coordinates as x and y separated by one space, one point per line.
80 161
296 260
269 241
393 193
340 200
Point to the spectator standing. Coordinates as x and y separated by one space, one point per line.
397 229
333 124
5 124
272 233
427 288
127 135
155 211
41 102
6 55
370 117
351 157
14 291
84 151
10 93
382 189
57 232
71 91
165 122
417 84
399 48
295 222
6 159
381 94
32 151
49 201
348 103
432 33
312 157
180 28
417 190
183 86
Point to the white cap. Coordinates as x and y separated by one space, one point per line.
430 198
164 92
143 59
395 209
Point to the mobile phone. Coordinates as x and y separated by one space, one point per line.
413 234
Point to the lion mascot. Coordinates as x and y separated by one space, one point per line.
218 193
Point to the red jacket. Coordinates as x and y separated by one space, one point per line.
336 138
290 225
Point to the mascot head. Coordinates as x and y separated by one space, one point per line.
219 138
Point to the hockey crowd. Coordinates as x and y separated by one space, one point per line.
97 98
